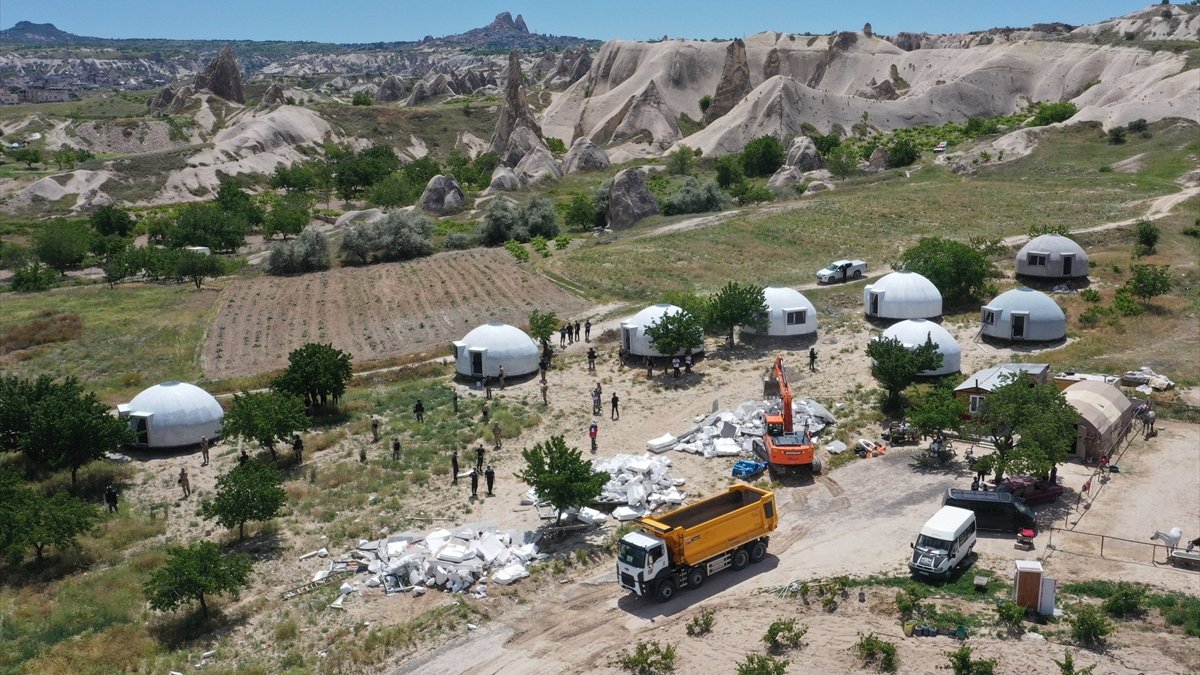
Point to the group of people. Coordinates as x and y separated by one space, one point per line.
569 333
489 475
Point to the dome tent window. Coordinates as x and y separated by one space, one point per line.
989 317
788 313
796 317
1037 259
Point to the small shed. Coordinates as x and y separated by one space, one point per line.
788 313
1052 256
634 340
902 295
1023 314
1105 417
976 387
482 351
913 333
172 415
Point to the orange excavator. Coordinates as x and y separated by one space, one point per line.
783 449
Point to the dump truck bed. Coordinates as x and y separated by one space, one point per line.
707 528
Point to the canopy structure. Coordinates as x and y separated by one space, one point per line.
913 333
1023 314
902 295
172 415
1105 416
1052 256
633 331
485 349
788 313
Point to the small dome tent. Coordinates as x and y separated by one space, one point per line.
172 415
788 313
1104 416
633 331
913 333
482 351
1052 256
1023 314
902 295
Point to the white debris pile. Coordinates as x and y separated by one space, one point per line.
456 561
1145 380
729 433
640 483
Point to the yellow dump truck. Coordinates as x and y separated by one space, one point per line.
682 548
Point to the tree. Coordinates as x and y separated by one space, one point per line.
737 305
63 426
695 197
679 163
403 235
1050 113
842 162
112 225
762 156
250 491
308 252
33 277
1031 426
936 409
560 475
233 200
498 223
29 156
581 213
62 243
265 417
198 266
358 241
674 332
192 573
362 98
542 326
31 519
1116 136
316 372
1149 281
65 159
395 190
903 152
1145 236
897 366
959 271
539 218
299 177
705 103
729 171
210 226
289 215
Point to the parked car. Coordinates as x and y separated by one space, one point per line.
1031 490
842 270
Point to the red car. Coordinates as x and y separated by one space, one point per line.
1031 490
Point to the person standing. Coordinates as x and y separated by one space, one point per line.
110 498
545 390
474 483
396 449
591 354
243 457
454 400
479 458
595 402
577 331
687 362
204 450
298 448
375 425
496 434
562 337
485 412
501 377
184 483
616 411
490 477
812 359
454 466
419 411
675 366
593 431
587 330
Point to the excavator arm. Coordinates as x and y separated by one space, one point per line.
785 394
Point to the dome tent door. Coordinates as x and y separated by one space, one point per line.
140 423
874 308
1018 324
478 356
626 337
1068 262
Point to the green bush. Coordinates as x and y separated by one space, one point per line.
1124 304
517 250
1010 614
1089 627
702 623
876 652
1126 600
647 658
1092 316
362 98
1116 135
962 663
1145 235
556 145
1090 295
695 197
783 635
908 601
762 664
762 156
457 241
540 245
33 277
562 241
1051 113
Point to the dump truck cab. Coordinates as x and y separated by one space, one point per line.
641 560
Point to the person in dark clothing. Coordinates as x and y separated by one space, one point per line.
562 336
454 399
419 411
243 457
485 413
184 483
591 354
395 449
616 413
454 466
545 393
110 498
577 331
474 483
490 477
479 457
587 330
298 448
593 431
812 359
375 427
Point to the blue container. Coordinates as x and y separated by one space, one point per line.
745 468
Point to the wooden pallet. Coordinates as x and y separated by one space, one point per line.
313 585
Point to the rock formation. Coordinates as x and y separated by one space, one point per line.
503 180
272 96
785 178
803 154
442 194
572 65
536 166
519 24
878 159
390 90
162 100
520 143
628 200
907 41
420 94
773 64
222 77
867 29
584 155
182 96
649 119
734 84
516 112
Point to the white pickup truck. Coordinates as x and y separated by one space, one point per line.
842 270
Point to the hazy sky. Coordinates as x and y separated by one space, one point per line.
384 20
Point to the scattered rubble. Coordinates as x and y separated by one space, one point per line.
1145 380
729 433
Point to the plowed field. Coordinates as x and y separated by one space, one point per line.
375 312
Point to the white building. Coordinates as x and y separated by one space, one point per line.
902 295
1023 314
482 351
633 331
173 414
788 313
913 333
1052 256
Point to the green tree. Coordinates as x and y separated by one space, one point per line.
542 326
299 177
762 156
674 332
695 196
1116 135
903 152
498 223
936 409
265 417
317 372
581 213
193 573
1149 281
1051 113
29 156
112 221
539 218
395 190
197 267
737 305
289 216
32 277
65 159
1145 237
31 519
208 225
359 241
62 244
959 271
403 235
679 163
250 491
308 252
1031 426
842 162
729 171
560 475
233 200
362 98
897 366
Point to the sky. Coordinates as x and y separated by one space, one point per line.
350 21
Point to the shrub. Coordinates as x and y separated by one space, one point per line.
1010 614
729 171
1138 126
62 243
556 145
580 213
539 218
517 250
1092 316
308 252
1067 666
1089 627
876 652
962 663
679 163
358 241
903 152
908 601
762 664
1106 169
1145 235
562 241
783 635
1125 601
362 98
457 241
1124 304
540 245
1050 113
1090 295
404 235
695 197
33 277
702 623
763 156
647 658
1116 135
498 223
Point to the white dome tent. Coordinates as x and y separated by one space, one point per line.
1052 256
902 295
482 351
913 333
634 340
172 415
1023 314
788 313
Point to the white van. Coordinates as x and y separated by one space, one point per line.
945 542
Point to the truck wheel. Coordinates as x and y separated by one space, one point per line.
740 559
695 577
758 551
816 467
857 274
666 590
